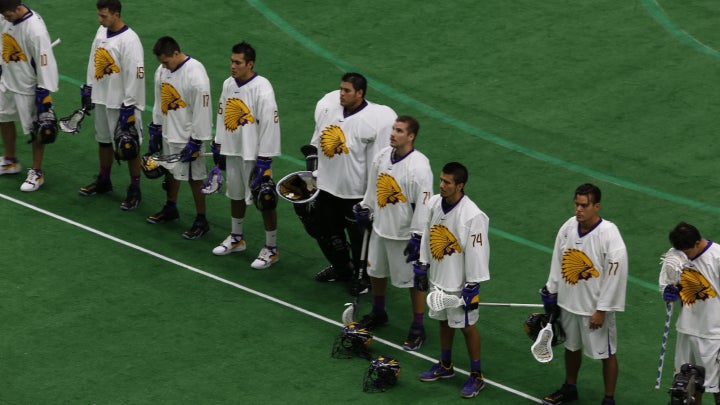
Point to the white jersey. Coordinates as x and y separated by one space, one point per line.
455 244
700 284
398 193
28 60
247 119
116 69
589 271
347 144
182 102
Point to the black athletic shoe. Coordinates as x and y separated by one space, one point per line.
96 187
374 320
561 396
167 214
415 339
199 228
132 200
330 274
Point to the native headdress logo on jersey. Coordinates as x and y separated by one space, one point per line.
11 50
237 114
170 98
332 141
443 242
576 266
104 64
694 286
388 191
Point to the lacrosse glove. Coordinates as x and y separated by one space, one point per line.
671 293
262 169
191 151
412 250
86 98
420 280
549 300
155 143
471 296
218 158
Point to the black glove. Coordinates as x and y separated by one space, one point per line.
218 158
549 300
420 281
86 98
155 143
412 250
191 151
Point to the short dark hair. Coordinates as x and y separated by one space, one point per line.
457 170
358 81
245 49
113 6
9 5
592 191
166 46
684 236
412 124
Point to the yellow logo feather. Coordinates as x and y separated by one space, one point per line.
11 50
170 98
104 64
237 114
576 266
388 191
332 141
443 242
694 287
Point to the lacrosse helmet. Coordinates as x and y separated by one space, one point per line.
126 146
354 340
536 322
382 374
298 188
264 194
151 168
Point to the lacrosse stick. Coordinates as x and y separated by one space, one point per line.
71 124
350 313
214 182
175 157
542 348
438 300
672 264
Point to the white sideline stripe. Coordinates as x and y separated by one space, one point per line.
246 289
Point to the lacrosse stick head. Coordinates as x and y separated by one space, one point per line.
214 182
348 315
542 348
353 341
673 262
438 300
535 323
298 188
71 124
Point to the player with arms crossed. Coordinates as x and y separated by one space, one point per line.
696 285
400 186
587 281
115 88
248 137
455 258
182 120
29 75
349 133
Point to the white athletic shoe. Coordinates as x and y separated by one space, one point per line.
7 167
233 243
268 255
35 179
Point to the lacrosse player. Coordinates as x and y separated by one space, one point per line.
29 75
349 133
182 120
115 89
697 286
248 136
455 258
399 188
588 276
